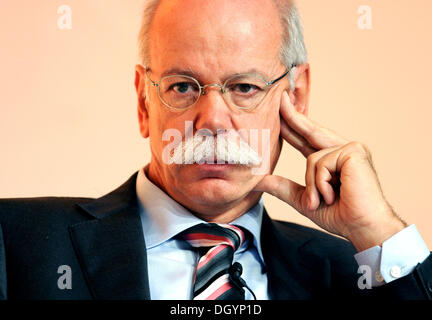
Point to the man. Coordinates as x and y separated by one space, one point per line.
185 225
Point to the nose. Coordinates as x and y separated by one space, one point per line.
212 85
212 112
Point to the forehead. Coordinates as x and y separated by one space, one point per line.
215 36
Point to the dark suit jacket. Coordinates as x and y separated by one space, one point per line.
102 241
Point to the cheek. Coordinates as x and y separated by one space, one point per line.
159 122
155 126
164 121
267 118
265 121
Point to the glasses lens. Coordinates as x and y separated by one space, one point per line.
246 91
179 91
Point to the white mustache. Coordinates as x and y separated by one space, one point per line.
220 150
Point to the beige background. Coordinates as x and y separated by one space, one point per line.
68 122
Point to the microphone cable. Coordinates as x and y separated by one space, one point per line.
235 272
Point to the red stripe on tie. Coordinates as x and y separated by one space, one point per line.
208 257
206 236
222 289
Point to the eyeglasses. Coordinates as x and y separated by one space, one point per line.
242 91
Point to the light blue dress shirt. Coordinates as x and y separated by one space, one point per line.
397 257
171 262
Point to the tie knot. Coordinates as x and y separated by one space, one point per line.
214 234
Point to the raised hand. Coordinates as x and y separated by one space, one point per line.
342 193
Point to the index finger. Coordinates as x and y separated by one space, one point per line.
317 136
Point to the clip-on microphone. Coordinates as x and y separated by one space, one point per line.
235 272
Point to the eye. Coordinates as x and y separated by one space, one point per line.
183 87
245 88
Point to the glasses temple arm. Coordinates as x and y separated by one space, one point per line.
276 80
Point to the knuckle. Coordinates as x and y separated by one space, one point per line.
320 173
359 147
311 159
359 150
320 167
323 172
356 145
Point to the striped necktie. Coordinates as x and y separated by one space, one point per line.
217 244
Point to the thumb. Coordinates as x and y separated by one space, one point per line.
286 190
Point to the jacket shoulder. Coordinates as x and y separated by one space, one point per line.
40 209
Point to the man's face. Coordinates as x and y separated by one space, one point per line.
213 40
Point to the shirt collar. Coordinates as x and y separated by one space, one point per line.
162 217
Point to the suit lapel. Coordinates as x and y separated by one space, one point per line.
289 275
111 247
112 251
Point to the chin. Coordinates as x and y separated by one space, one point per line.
215 191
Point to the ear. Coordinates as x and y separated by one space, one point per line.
299 95
143 114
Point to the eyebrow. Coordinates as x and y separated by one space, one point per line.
189 72
186 72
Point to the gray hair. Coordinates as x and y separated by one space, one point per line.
293 50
